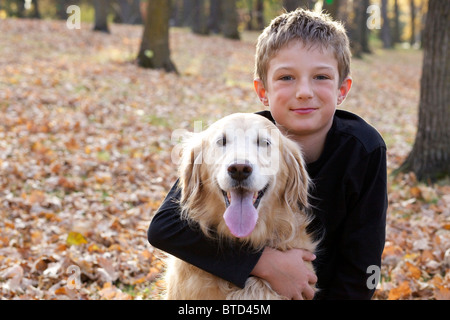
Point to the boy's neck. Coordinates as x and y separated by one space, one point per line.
311 145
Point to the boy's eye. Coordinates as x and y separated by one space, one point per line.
286 78
322 77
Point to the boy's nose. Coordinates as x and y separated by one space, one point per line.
304 90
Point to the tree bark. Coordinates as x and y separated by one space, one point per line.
215 16
36 13
364 40
128 11
188 16
396 35
230 17
332 7
412 7
154 52
355 28
430 156
260 14
291 5
386 36
199 25
101 15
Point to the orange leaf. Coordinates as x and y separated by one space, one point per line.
147 254
139 280
94 247
442 293
36 236
36 196
115 246
427 255
416 192
413 271
72 144
392 250
61 291
63 182
401 292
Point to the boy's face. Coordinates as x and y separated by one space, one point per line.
302 89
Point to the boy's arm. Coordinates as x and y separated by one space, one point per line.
171 234
363 236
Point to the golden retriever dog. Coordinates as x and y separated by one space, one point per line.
246 182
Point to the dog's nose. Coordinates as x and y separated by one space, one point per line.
240 171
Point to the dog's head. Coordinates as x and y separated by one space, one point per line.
239 165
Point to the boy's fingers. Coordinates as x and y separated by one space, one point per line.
308 256
312 279
308 293
300 297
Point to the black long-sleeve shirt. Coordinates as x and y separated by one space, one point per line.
349 201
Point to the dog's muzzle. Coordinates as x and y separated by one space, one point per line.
241 202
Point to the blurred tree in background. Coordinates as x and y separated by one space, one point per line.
430 156
386 23
399 20
154 51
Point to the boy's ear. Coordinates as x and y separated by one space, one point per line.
344 89
261 91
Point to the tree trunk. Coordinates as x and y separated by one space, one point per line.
386 37
20 8
215 16
412 40
101 15
291 5
396 22
430 156
199 25
354 30
230 17
36 14
260 14
364 40
128 11
251 13
331 7
61 7
423 19
154 52
188 16
177 12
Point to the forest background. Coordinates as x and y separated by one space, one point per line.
86 136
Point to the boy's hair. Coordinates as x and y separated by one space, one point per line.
312 29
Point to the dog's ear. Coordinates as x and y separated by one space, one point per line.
297 176
189 169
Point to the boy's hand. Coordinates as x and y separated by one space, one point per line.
287 273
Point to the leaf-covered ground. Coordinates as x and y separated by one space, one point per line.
85 157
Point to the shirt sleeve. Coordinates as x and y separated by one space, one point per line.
179 238
363 237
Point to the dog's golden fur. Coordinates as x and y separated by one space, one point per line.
282 219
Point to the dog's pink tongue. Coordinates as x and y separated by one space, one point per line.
241 215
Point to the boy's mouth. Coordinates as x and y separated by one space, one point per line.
304 110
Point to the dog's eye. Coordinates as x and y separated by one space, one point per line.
263 142
222 141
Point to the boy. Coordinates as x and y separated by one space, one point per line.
302 74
